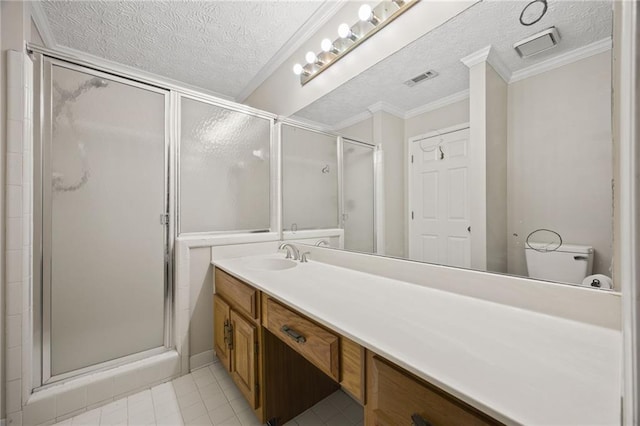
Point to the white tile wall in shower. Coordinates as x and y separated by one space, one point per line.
18 230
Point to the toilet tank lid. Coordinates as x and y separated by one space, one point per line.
567 248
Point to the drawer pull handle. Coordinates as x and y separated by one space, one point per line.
293 334
418 420
228 334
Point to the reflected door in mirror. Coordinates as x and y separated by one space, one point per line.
439 222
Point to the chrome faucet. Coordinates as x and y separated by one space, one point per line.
292 251
323 243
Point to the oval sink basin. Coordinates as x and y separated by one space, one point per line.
271 264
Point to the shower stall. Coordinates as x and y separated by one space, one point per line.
101 214
124 167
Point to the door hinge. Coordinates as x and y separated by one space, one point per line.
412 159
164 219
257 388
411 215
255 347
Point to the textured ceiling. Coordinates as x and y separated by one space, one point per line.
487 23
217 45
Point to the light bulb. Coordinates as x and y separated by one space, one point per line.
344 31
326 45
310 57
297 69
364 13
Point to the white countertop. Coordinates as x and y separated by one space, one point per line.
518 366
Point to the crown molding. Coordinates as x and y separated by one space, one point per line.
42 24
352 120
564 59
476 57
315 125
386 107
437 104
489 55
316 21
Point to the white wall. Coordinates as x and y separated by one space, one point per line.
392 141
447 116
496 172
200 301
361 131
560 158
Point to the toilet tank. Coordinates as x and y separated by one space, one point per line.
568 264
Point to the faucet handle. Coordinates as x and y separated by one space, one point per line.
304 258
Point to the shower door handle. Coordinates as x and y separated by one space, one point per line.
164 219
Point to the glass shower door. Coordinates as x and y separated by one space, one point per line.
359 196
104 226
309 179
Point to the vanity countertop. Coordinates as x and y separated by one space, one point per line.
520 366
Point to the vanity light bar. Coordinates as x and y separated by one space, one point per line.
371 21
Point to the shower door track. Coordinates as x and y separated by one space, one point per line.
42 375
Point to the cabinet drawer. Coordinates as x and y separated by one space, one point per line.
394 396
312 341
240 295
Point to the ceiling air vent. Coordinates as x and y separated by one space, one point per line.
422 77
537 43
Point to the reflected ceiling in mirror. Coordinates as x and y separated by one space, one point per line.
582 25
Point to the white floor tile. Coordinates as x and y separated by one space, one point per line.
208 397
200 421
221 413
325 410
193 412
189 399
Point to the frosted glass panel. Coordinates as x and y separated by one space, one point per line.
224 169
309 179
358 184
107 191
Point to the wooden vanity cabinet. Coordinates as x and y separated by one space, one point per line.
284 362
395 397
236 329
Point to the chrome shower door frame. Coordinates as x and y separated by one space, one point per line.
42 255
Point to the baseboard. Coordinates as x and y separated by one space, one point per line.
201 359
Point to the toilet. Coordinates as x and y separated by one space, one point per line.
570 263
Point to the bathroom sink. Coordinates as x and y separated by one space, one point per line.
271 264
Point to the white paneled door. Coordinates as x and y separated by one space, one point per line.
439 229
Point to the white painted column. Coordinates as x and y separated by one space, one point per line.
488 160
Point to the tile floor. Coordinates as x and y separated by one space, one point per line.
205 397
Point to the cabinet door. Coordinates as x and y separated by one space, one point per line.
243 363
221 330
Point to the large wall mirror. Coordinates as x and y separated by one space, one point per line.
495 157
